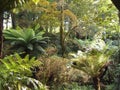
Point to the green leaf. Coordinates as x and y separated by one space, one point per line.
30 47
37 27
6 64
25 40
40 49
29 34
35 1
13 33
26 58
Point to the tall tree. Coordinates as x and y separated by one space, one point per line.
61 26
63 13
54 14
1 37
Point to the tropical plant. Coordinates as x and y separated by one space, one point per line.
26 41
16 73
51 15
92 63
7 5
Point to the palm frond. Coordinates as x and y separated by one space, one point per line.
7 5
92 62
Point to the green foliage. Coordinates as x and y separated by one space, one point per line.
83 43
74 86
92 62
95 15
117 72
16 71
45 14
80 8
110 87
72 46
26 41
116 58
6 5
16 64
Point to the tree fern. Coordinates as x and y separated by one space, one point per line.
93 61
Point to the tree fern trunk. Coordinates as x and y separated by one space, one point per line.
96 81
1 35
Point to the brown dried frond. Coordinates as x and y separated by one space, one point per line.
53 70
54 5
51 50
75 75
44 3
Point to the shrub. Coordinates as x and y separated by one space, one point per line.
26 41
53 71
15 73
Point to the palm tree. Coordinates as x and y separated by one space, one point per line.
7 5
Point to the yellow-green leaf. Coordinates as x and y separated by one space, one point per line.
35 1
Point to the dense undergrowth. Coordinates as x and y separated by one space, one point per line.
73 45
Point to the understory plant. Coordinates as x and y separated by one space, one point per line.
15 73
92 63
53 71
26 41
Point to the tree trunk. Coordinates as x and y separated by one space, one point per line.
96 81
13 20
1 35
62 32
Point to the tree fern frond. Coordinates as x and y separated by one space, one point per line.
92 63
